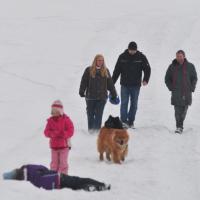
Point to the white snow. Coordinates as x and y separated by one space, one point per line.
45 45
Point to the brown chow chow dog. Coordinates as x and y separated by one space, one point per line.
114 142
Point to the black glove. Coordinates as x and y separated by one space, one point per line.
82 94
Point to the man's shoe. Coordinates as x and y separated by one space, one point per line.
125 125
179 130
132 126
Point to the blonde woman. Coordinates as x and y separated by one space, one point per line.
95 83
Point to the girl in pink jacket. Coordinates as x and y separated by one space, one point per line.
59 129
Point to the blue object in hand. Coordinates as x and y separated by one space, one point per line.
114 100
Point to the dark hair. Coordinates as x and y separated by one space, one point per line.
181 52
19 174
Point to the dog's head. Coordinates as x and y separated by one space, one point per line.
110 122
117 123
121 139
113 122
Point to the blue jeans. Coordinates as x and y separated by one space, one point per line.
95 110
132 93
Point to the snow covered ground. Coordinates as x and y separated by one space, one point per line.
45 46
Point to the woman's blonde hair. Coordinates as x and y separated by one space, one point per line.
103 69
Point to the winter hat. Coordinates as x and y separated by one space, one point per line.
57 106
132 46
10 175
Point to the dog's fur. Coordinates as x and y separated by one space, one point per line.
113 142
113 122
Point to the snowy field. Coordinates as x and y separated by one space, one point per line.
45 45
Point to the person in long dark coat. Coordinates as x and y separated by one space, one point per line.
181 79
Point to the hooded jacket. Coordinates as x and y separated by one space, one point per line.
59 129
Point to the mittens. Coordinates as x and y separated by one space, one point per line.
69 145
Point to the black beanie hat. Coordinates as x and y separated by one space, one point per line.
132 46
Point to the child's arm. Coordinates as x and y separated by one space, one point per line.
48 132
69 128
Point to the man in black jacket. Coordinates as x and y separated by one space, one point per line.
130 66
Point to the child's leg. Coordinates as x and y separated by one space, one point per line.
54 159
77 183
63 161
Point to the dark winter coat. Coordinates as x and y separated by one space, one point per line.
130 67
181 81
95 88
41 176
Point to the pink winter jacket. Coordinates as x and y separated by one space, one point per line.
59 129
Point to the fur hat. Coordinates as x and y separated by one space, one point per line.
57 106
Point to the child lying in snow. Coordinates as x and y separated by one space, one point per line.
42 177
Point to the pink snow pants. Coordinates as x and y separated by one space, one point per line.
59 160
